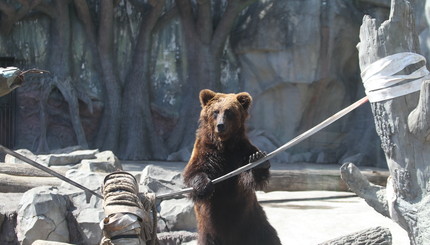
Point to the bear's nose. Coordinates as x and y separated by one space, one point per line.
220 127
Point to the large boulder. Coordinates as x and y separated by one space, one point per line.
177 215
160 180
105 162
70 158
27 153
42 216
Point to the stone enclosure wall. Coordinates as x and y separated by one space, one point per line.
298 59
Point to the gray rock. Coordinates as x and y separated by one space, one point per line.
160 180
178 214
13 160
2 216
89 224
182 155
87 215
44 242
67 150
42 215
105 162
302 157
91 180
71 158
177 237
268 143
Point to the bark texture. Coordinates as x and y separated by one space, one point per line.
372 236
401 124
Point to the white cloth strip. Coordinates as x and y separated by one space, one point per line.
381 83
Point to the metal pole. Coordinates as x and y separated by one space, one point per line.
87 191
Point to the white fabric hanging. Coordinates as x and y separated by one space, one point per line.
381 83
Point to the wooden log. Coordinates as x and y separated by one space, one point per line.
13 183
27 170
372 236
317 179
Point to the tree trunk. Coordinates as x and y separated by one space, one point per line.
109 129
372 236
13 183
27 170
403 130
204 40
203 72
59 66
139 139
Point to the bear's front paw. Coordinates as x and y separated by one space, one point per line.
203 187
257 156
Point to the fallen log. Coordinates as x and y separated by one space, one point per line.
317 179
27 170
13 183
372 236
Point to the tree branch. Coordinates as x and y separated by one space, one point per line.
204 20
85 16
11 16
105 32
46 9
226 23
186 14
374 195
166 18
419 118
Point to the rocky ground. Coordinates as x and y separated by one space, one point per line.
300 217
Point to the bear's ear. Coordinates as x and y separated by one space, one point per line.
245 100
205 96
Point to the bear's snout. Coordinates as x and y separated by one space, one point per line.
220 127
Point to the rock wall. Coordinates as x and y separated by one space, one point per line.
301 65
298 59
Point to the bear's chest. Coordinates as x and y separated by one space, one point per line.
221 163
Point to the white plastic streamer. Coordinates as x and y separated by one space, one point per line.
382 83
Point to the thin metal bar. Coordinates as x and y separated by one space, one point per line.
49 171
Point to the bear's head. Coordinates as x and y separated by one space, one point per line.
224 114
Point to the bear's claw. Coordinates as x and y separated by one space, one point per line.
257 156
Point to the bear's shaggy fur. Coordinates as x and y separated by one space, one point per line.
227 212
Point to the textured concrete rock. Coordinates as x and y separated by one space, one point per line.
12 160
87 215
182 155
41 215
91 180
177 214
89 224
266 143
105 162
1 220
176 237
44 242
71 158
160 180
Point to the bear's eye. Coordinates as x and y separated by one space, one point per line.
228 113
216 113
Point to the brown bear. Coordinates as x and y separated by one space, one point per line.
227 212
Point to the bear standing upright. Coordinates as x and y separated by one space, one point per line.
227 212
